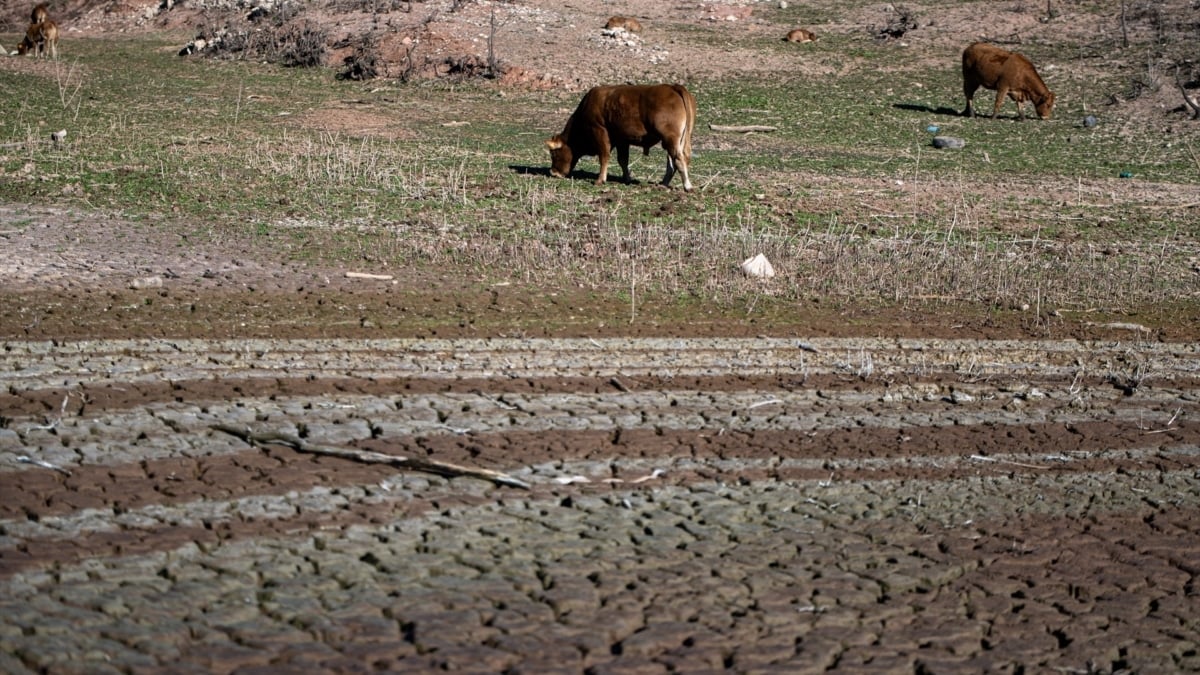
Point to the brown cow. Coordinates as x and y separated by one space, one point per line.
625 23
1008 73
39 14
801 35
39 37
619 116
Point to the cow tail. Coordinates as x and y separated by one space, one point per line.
685 139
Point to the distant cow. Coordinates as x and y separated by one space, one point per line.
801 35
624 22
39 14
989 66
623 115
39 38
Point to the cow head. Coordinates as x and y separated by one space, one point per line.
562 162
1045 105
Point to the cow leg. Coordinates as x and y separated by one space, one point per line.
683 163
1001 92
679 155
969 91
603 155
676 161
603 152
623 160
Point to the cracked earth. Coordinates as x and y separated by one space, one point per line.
761 505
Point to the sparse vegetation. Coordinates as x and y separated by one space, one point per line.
900 20
846 199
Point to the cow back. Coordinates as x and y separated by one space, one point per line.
990 66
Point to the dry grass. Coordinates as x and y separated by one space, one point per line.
846 205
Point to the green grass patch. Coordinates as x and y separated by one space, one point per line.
846 196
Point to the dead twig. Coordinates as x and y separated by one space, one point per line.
62 411
742 129
1191 102
368 457
367 275
1170 422
1120 325
759 404
26 459
981 458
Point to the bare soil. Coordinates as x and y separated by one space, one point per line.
75 275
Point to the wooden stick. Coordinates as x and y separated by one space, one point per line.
368 457
366 275
1191 103
981 458
745 129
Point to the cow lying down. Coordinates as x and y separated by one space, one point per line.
623 115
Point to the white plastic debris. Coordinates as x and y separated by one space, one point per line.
758 266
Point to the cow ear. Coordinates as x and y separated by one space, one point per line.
554 143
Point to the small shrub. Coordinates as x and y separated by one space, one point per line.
300 45
285 13
373 6
466 67
901 21
363 63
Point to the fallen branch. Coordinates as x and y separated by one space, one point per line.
366 275
369 457
1191 102
759 404
1120 325
1169 423
26 459
745 129
981 458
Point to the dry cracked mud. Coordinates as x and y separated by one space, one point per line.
697 504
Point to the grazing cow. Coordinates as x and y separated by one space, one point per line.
39 14
800 35
38 38
624 22
1008 73
619 116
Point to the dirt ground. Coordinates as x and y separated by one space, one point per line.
919 489
72 274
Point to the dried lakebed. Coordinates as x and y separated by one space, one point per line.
696 504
